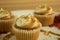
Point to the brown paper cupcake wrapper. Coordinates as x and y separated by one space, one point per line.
6 25
45 19
26 34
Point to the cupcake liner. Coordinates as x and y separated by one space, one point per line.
6 25
26 34
45 19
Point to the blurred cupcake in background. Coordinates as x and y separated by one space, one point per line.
45 15
27 27
7 20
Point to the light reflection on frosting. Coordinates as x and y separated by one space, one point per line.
43 10
27 21
4 13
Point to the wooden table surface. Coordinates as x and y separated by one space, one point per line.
28 4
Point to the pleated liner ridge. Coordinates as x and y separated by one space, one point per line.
26 34
6 25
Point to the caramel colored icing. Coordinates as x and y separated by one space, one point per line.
27 21
43 10
4 14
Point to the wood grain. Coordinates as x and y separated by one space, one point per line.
28 4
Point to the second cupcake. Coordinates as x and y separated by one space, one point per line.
45 15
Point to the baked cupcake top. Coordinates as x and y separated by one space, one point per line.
27 21
43 10
4 14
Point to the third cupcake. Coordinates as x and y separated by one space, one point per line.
7 20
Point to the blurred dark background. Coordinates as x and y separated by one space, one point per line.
28 4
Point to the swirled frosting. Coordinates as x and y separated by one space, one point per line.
4 14
27 21
42 10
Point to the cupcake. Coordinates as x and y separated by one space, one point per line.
27 27
45 15
7 20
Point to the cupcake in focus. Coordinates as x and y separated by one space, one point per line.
7 20
27 27
45 15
